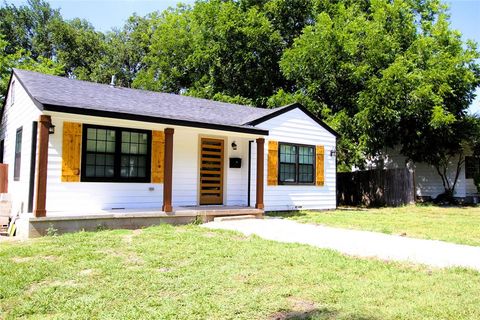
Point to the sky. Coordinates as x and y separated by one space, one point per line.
106 14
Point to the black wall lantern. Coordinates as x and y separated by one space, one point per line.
234 145
51 129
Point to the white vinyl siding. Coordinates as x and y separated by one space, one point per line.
97 196
296 127
21 113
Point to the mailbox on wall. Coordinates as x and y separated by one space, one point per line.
235 162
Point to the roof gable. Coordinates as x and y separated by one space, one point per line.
282 110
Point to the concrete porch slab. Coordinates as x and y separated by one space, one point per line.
29 226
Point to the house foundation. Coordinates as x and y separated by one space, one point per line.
29 226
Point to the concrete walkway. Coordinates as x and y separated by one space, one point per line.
358 243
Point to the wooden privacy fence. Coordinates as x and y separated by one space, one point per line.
393 187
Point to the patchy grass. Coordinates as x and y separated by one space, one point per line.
453 224
188 272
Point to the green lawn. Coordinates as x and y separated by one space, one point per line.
189 272
454 224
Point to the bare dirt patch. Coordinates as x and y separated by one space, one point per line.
28 259
86 272
22 259
300 309
51 283
209 234
129 237
130 258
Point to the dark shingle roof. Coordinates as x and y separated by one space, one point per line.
75 94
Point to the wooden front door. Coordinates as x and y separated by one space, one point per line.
211 171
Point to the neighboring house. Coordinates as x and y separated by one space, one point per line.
428 183
78 148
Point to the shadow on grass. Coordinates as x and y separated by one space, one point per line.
362 209
315 314
303 213
285 214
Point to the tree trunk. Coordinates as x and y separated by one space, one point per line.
442 170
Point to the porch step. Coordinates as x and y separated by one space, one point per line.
229 218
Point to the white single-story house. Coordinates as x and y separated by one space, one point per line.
84 154
428 183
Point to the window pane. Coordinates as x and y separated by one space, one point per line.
100 159
133 148
91 145
18 139
141 161
142 149
90 172
101 145
134 143
288 153
125 166
90 159
134 137
125 136
110 135
18 155
99 171
109 160
110 147
133 162
305 173
287 172
472 167
125 147
101 134
305 155
133 171
133 166
91 134
109 171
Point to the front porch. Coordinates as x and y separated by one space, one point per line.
29 226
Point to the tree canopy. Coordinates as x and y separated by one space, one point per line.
383 73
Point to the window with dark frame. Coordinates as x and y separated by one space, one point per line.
18 154
296 164
112 154
472 167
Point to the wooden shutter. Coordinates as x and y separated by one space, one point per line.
71 151
272 179
320 166
158 155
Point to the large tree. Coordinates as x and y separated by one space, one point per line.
41 31
392 75
383 73
215 49
21 59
